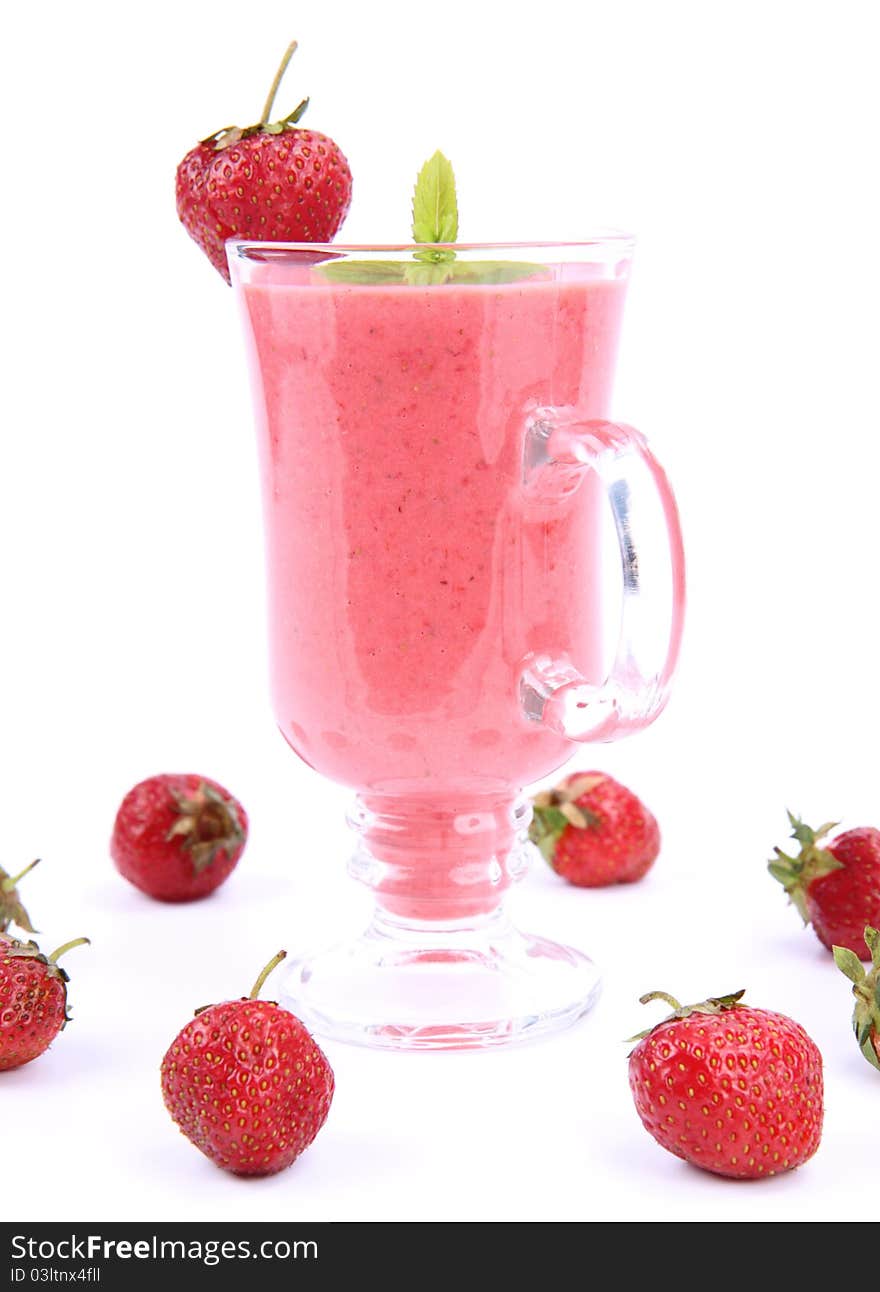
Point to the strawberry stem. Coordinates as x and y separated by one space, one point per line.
270 101
660 995
273 964
11 881
62 950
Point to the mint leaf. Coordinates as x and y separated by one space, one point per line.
472 271
424 273
435 219
497 271
363 271
435 207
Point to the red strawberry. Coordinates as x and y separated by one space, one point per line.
594 831
729 1088
835 887
268 182
247 1084
11 909
177 837
33 999
866 989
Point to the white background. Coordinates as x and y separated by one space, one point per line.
740 143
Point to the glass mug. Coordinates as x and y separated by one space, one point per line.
437 468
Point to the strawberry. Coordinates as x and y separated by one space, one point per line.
177 837
835 886
270 182
594 831
11 909
729 1088
247 1083
33 999
866 989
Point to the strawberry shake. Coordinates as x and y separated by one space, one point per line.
411 572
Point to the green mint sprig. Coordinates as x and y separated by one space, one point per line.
435 206
434 220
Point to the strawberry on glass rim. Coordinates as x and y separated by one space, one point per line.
271 182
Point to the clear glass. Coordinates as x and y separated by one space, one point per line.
436 464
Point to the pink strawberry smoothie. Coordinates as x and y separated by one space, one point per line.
410 571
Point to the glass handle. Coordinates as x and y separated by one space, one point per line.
559 447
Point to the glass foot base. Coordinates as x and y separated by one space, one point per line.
450 988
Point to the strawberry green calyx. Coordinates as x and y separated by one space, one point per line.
230 135
547 826
207 824
557 809
15 949
866 989
713 1005
11 909
795 874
